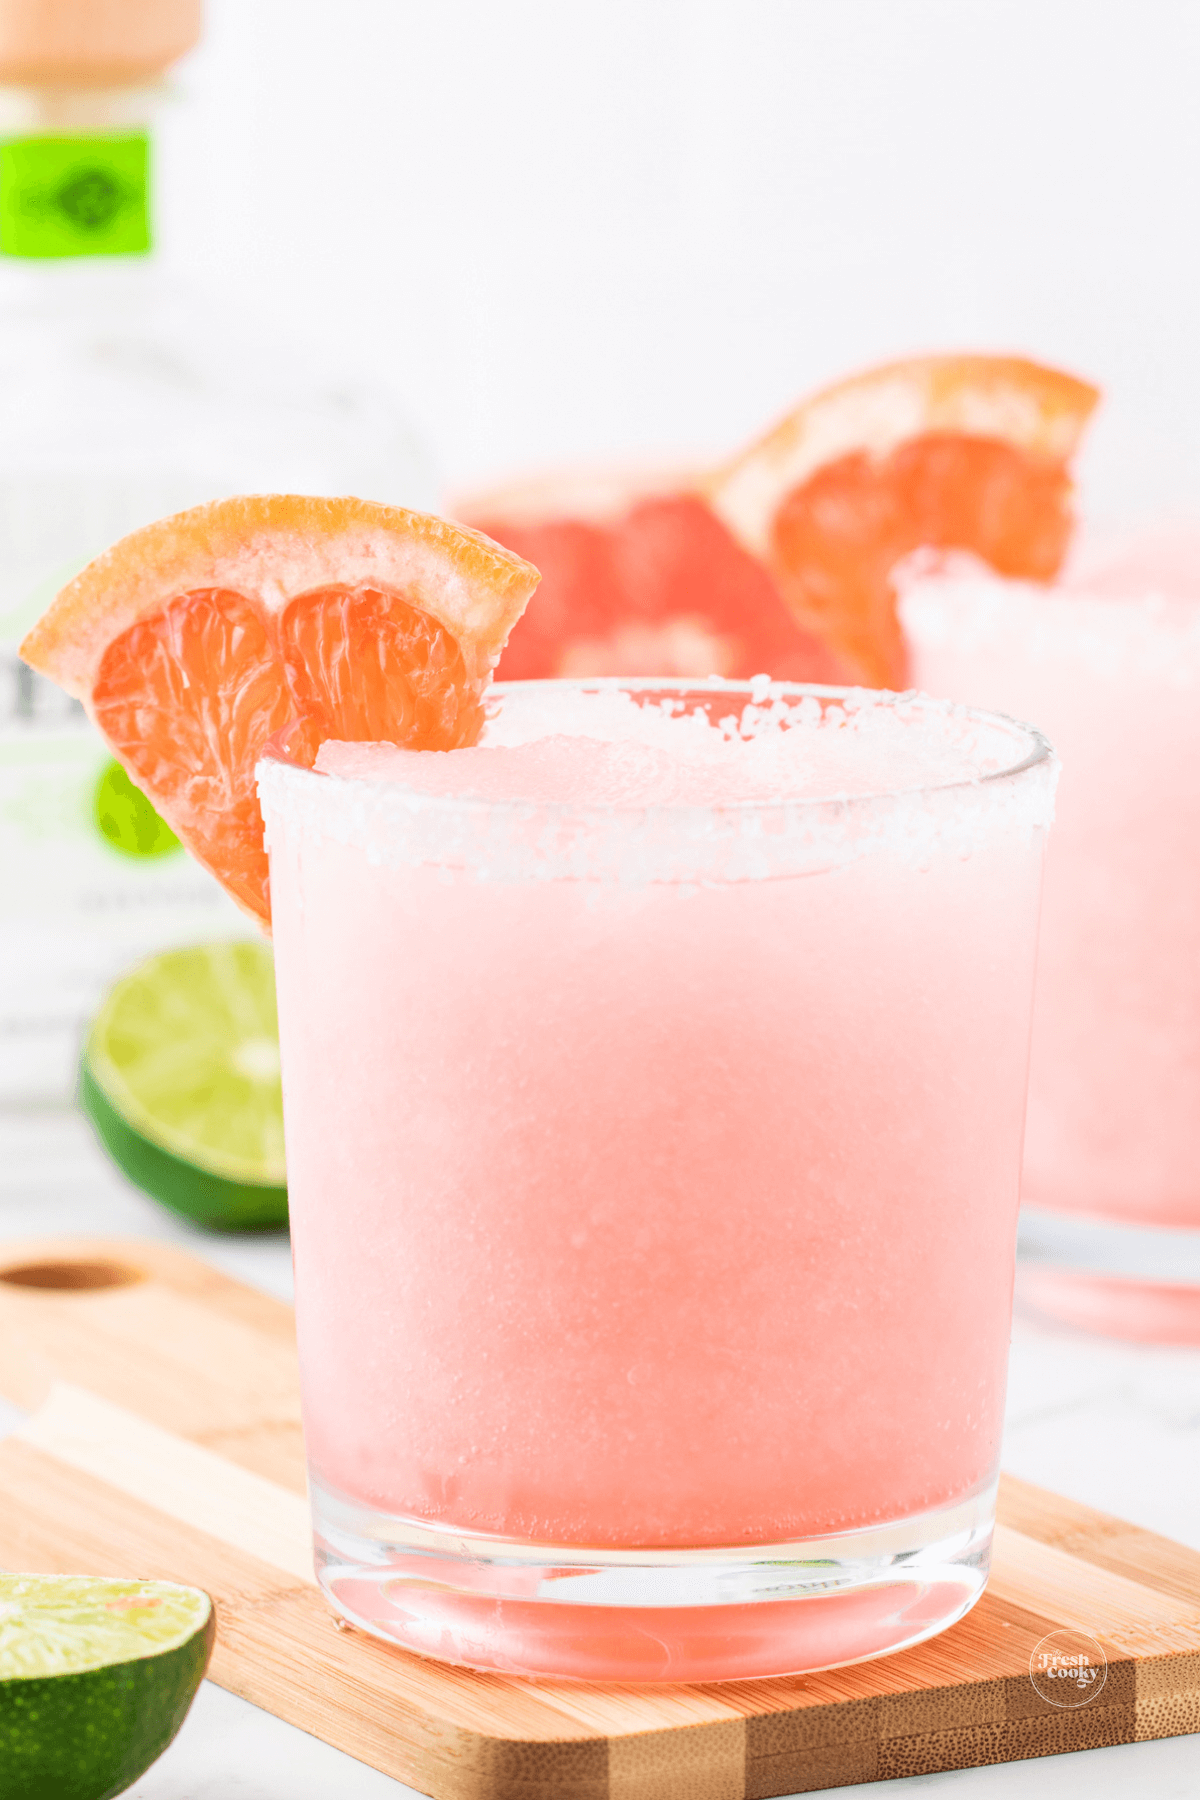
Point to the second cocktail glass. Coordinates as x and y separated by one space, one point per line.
654 1129
1109 663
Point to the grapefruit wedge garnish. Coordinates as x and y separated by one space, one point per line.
640 577
965 453
193 640
781 561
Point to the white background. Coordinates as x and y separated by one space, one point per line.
570 230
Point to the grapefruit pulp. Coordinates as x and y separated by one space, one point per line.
193 640
951 452
780 562
640 577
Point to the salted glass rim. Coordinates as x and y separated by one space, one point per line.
756 691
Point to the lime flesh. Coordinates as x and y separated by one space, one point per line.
96 1677
127 820
180 1077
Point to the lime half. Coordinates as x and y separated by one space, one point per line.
96 1677
180 1077
126 819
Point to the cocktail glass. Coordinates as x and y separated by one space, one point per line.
1109 664
653 1173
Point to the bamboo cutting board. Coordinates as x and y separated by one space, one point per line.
165 1442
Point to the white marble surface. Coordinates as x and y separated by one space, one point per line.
1114 1425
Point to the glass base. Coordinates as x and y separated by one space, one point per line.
1140 1282
651 1615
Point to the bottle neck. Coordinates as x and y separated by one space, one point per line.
75 177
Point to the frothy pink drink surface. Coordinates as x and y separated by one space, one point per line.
1108 665
662 1193
672 765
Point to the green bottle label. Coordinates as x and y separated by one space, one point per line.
75 196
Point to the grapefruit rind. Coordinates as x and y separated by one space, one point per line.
1035 409
272 548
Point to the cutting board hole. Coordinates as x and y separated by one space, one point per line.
71 1277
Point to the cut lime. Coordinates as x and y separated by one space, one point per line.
96 1677
126 819
180 1077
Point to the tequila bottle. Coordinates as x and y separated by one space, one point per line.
122 397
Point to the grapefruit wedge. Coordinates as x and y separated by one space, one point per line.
781 561
640 577
950 452
193 640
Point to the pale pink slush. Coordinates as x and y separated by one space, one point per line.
664 1211
1108 664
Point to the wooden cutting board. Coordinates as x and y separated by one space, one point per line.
165 1442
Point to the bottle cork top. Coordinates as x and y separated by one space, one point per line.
93 42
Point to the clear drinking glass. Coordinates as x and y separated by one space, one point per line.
1109 664
653 1174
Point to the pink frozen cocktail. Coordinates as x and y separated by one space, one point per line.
654 1079
1108 662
